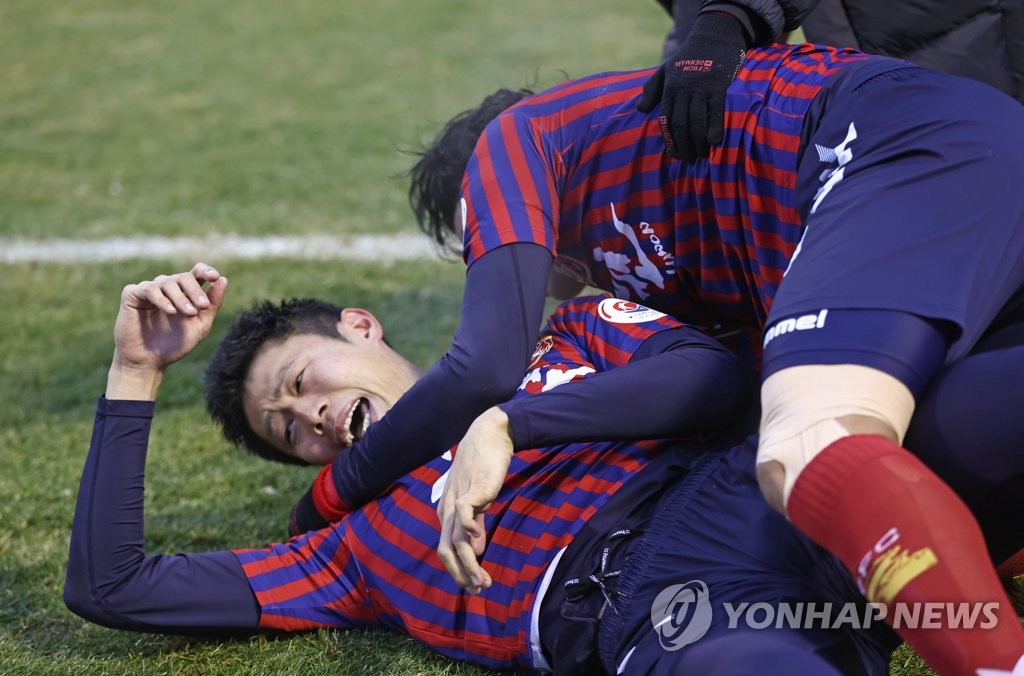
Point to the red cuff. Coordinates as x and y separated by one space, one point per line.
326 498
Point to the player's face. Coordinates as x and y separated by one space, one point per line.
312 396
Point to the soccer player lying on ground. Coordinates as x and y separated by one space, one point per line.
650 529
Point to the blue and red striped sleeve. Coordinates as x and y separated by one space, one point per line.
510 190
308 582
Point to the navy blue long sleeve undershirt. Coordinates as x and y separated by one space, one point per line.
110 580
678 382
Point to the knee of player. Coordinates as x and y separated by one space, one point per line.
808 408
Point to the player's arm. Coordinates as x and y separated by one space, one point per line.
110 580
676 381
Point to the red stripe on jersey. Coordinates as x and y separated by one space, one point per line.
443 638
612 354
599 213
514 147
796 90
474 244
268 620
768 204
491 185
309 582
572 113
623 139
605 80
293 556
387 530
765 171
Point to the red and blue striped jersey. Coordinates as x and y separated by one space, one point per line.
378 565
578 170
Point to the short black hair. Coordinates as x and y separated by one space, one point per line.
436 178
224 379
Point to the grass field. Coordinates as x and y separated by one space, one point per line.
194 118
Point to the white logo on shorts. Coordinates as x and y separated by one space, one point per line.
829 177
841 155
681 614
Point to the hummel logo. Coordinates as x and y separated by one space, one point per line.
801 323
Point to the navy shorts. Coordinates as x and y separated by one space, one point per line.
714 534
912 190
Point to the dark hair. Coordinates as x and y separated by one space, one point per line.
224 380
437 175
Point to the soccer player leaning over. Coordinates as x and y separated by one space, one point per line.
862 218
583 538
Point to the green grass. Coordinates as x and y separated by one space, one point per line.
201 493
262 117
187 118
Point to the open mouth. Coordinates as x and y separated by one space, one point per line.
358 420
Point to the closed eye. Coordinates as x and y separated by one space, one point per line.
298 381
289 432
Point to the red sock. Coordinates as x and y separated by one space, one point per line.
907 539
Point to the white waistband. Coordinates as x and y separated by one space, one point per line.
539 662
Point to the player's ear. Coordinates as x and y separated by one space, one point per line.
356 325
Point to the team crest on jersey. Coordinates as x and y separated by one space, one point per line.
618 311
543 345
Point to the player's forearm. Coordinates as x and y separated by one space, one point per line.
110 580
684 383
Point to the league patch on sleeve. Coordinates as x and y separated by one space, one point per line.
543 345
618 311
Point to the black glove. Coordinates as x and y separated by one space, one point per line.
691 85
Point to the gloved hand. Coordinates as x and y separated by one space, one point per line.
691 85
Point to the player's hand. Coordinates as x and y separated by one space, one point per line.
474 480
163 319
692 84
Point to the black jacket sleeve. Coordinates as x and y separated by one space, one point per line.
765 19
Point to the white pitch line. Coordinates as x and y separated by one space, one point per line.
371 248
